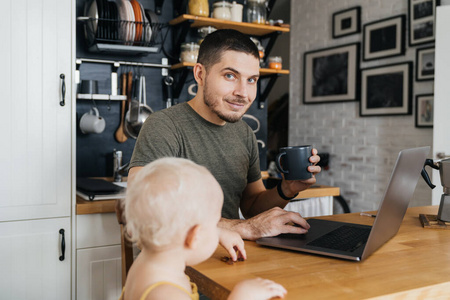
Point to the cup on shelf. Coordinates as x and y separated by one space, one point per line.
92 122
236 12
189 52
89 87
275 62
222 10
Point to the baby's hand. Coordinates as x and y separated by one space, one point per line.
233 243
257 289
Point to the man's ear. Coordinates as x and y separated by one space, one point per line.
199 74
192 237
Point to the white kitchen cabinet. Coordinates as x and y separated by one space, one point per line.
36 148
30 264
99 273
35 154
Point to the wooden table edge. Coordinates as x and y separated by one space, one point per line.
210 289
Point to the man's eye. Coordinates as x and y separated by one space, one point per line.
229 76
252 80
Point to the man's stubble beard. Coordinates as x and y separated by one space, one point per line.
208 98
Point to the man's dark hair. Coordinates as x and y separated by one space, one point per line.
216 43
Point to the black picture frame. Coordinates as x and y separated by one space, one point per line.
331 74
422 21
384 38
424 111
425 64
386 90
346 22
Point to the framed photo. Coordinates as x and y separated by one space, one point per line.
386 90
384 38
425 64
346 22
331 75
424 110
422 17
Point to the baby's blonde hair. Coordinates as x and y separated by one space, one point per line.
166 198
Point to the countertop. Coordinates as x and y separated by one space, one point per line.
108 206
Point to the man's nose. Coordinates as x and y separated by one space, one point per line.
241 89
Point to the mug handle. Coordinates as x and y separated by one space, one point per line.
278 163
95 109
191 89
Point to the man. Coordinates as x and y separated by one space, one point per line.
209 131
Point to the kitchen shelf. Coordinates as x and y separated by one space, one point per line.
101 97
246 28
129 50
267 32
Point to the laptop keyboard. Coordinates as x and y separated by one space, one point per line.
345 238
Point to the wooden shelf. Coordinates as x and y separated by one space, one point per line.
247 28
262 71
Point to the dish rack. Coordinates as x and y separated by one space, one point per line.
125 37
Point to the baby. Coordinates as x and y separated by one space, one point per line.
172 210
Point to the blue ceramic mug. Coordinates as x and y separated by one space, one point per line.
293 162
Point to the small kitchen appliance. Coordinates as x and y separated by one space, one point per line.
444 171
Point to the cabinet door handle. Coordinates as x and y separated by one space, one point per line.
63 90
63 245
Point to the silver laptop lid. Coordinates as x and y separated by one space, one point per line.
397 197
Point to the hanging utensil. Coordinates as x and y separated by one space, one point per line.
168 92
144 109
132 128
135 100
120 134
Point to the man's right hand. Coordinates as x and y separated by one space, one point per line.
272 222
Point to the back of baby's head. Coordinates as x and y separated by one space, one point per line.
166 198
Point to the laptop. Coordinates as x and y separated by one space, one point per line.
353 241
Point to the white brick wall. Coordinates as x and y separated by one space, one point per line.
362 149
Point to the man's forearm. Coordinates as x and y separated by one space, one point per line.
243 227
265 201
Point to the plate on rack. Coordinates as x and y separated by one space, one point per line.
131 27
138 20
123 20
91 11
115 21
101 15
147 30
154 23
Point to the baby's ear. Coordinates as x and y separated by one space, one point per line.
192 237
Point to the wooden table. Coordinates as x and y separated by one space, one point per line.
413 264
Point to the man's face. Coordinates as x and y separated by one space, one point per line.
230 85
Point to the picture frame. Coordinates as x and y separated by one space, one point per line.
424 111
421 21
386 90
384 38
346 22
331 74
425 64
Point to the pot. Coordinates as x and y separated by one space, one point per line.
138 111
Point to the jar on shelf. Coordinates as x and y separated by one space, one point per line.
275 62
189 52
256 11
204 31
260 48
222 10
236 12
199 8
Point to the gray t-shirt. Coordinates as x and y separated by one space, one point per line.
229 152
